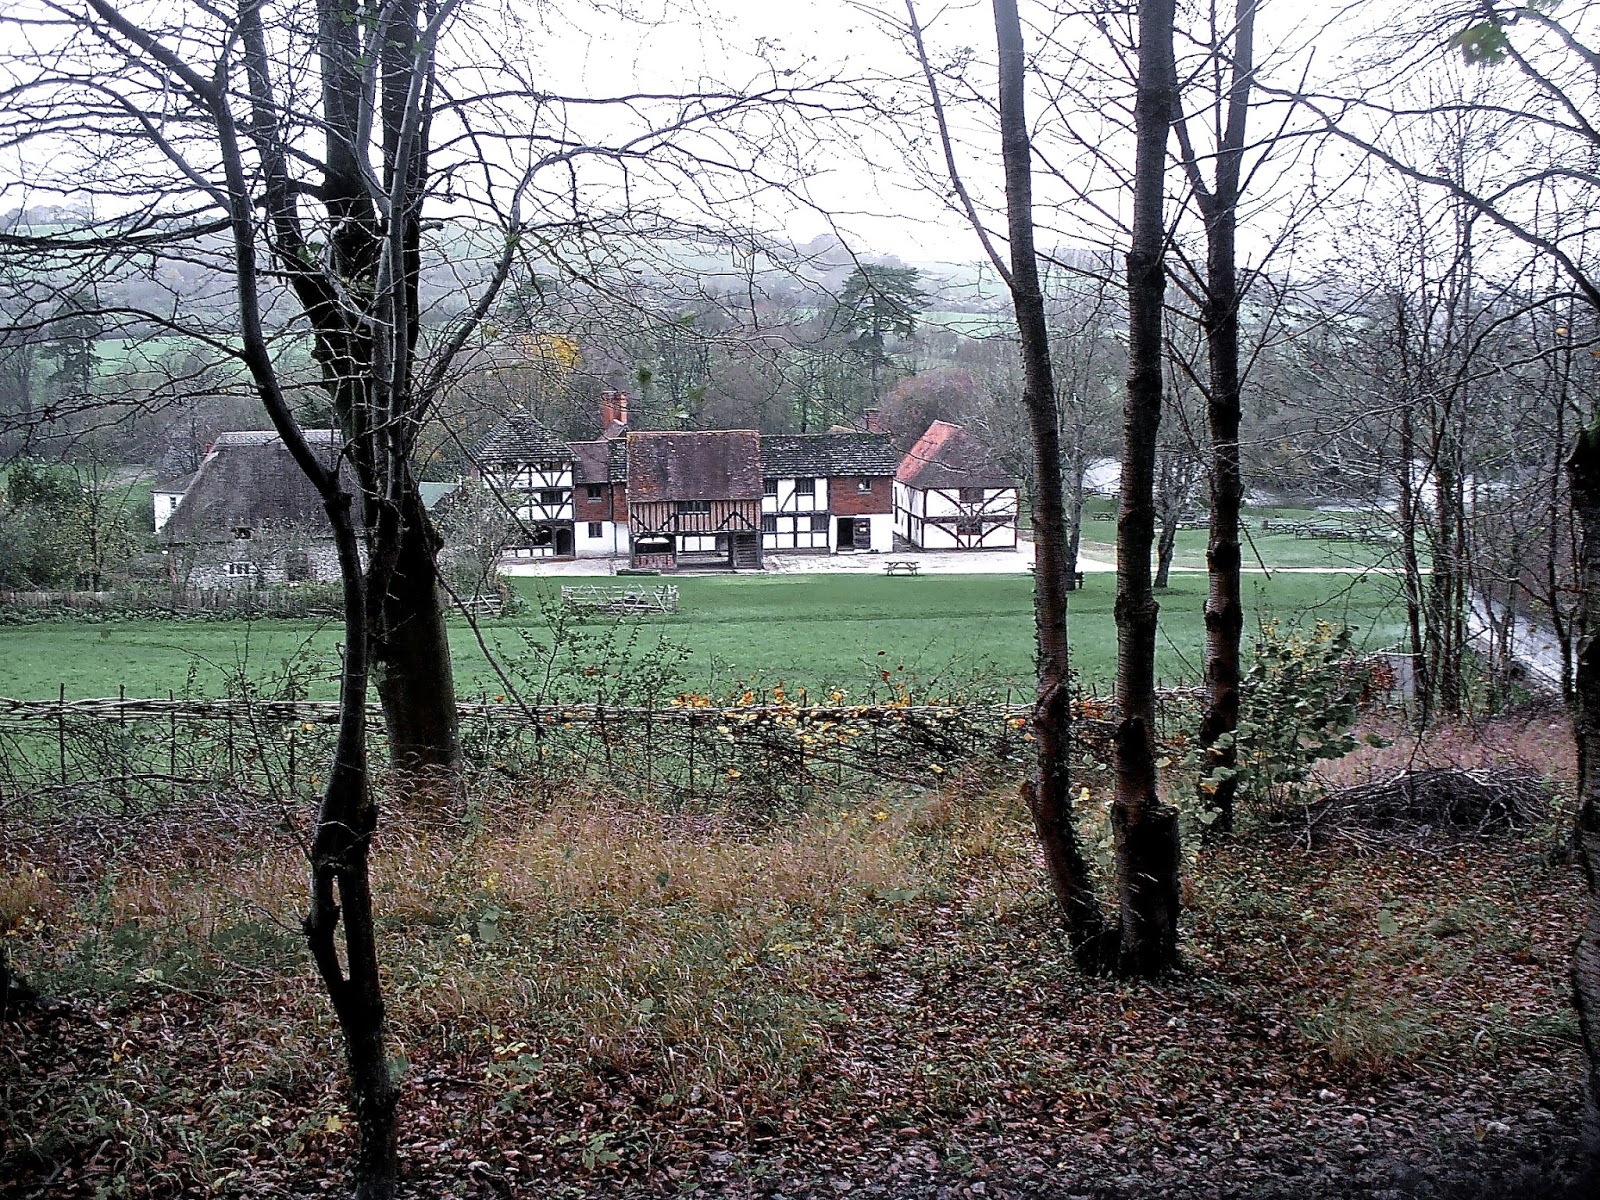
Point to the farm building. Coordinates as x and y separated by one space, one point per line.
949 494
531 469
694 499
827 492
709 499
248 515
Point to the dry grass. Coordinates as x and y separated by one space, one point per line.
604 989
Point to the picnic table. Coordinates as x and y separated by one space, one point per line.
902 566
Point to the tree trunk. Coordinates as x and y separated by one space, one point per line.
1219 319
1166 547
1049 793
1146 831
1583 468
411 650
341 890
1412 572
1075 515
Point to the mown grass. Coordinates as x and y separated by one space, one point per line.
816 631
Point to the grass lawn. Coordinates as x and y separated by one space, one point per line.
816 631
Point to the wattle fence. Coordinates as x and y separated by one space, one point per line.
128 754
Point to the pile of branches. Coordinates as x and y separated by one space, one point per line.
1428 804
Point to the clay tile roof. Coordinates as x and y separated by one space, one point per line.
947 456
826 455
591 462
519 437
705 465
248 480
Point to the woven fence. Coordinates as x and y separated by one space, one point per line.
126 754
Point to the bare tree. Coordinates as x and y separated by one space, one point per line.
292 152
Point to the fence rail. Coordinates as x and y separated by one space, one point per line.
131 752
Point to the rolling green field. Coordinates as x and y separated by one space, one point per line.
816 631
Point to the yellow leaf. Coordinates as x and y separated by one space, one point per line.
333 1124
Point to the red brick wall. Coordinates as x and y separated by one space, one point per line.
845 501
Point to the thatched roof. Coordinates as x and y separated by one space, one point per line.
248 480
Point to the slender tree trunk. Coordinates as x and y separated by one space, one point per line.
1075 514
341 890
1049 793
1412 573
1583 468
1219 318
1145 830
1166 546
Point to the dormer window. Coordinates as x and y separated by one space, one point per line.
241 533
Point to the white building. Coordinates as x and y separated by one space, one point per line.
950 495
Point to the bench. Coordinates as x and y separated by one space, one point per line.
1077 577
902 566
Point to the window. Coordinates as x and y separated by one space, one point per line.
769 523
297 567
594 491
863 484
552 497
694 506
969 527
805 487
819 522
972 495
239 570
769 487
241 534
595 529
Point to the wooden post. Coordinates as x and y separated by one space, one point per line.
172 748
61 731
122 727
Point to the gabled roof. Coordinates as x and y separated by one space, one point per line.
591 462
706 464
826 455
520 437
247 480
947 456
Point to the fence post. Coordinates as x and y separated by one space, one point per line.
122 727
61 731
172 748
692 739
649 745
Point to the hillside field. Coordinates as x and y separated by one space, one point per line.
817 631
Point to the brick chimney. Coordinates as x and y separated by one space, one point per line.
872 421
613 413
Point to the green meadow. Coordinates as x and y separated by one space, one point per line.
936 632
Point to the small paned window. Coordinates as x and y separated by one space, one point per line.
550 497
769 523
805 487
694 506
594 529
972 495
819 522
239 570
595 491
769 487
241 533
863 484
